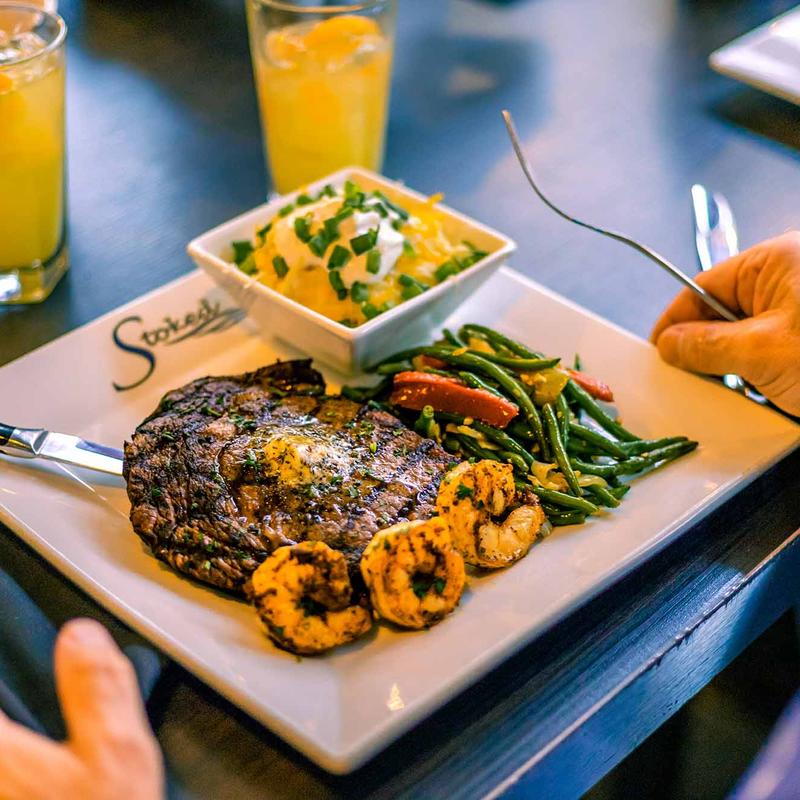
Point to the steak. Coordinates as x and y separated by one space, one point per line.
227 469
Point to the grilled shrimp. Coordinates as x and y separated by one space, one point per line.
491 522
303 596
414 574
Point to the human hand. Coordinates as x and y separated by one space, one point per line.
110 753
762 284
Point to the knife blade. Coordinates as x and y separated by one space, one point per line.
715 229
61 447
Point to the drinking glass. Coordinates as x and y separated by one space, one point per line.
323 75
33 255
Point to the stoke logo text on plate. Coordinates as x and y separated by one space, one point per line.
140 338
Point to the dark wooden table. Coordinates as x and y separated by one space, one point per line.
621 115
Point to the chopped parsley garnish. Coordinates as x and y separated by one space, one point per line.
155 492
214 412
303 200
339 257
280 265
364 242
302 228
359 292
318 243
386 544
251 460
352 491
286 210
463 491
241 250
167 436
374 261
438 585
335 278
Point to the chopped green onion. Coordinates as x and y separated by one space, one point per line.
370 310
331 225
262 232
326 191
444 271
318 243
374 261
366 241
280 265
359 292
399 210
408 249
248 266
380 208
335 277
302 228
286 210
339 257
241 250
411 286
303 200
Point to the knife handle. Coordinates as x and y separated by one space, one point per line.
6 432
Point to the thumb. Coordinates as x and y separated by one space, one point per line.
713 348
98 691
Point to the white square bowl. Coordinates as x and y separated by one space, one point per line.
347 349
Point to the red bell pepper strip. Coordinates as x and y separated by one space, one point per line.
596 388
415 390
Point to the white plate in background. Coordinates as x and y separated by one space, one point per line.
767 57
342 708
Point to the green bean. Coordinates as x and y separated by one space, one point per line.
452 338
472 380
507 381
598 440
426 424
472 447
451 444
589 468
603 495
564 413
494 338
580 396
520 430
360 394
490 432
515 460
551 426
648 445
620 491
635 464
565 500
567 518
518 363
577 447
393 368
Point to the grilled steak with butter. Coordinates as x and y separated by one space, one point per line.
228 469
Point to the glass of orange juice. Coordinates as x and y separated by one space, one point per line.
323 74
33 255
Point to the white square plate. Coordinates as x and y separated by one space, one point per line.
767 58
342 708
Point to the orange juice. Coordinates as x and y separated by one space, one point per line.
31 164
323 89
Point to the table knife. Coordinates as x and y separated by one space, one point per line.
61 447
716 239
